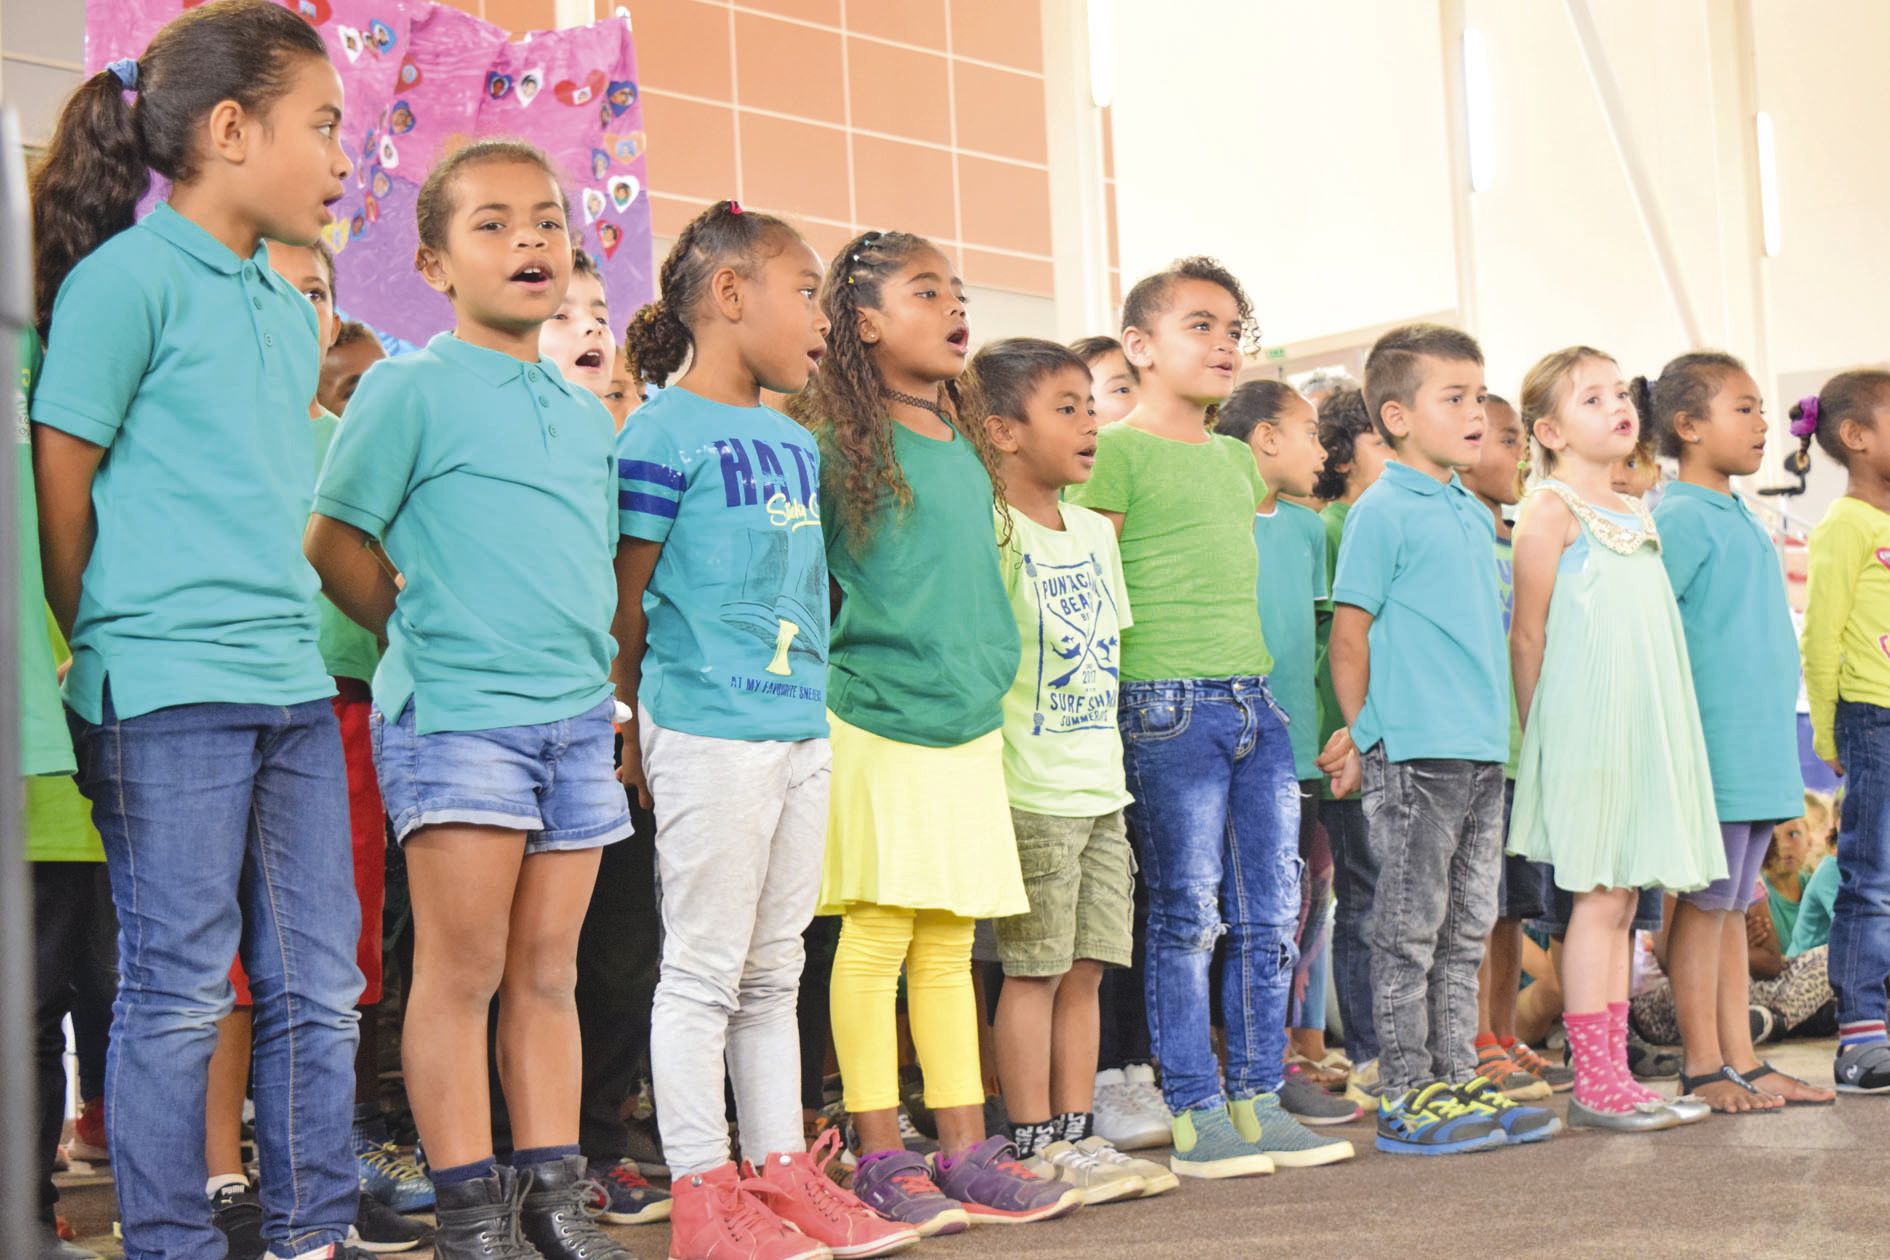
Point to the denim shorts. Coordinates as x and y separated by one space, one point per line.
555 781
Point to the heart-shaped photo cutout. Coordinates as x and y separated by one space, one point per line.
529 83
581 93
594 203
498 86
389 155
609 236
623 191
382 184
409 73
372 208
381 35
314 12
600 164
626 148
336 236
400 119
351 42
621 95
603 115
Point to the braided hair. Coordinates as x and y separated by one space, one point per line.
1846 396
845 403
1343 420
1686 386
658 340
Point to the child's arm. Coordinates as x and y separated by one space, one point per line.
1763 958
1837 553
63 467
1350 656
1542 535
636 561
352 574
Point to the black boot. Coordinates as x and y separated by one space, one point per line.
554 1218
479 1219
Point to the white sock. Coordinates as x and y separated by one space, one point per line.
221 1180
323 1252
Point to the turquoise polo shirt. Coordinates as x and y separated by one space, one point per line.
1731 590
492 484
1417 557
737 606
193 368
1292 546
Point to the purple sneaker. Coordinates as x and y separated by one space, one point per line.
899 1186
997 1189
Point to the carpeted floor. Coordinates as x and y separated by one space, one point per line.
1811 1182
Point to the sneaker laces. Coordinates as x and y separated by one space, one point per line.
1446 1104
739 1204
387 1160
1104 1152
1008 1160
1528 1060
817 1187
1482 1092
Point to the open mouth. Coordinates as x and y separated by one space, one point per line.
814 356
591 360
1087 454
532 274
1625 426
958 338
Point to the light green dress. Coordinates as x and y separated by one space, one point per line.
1613 788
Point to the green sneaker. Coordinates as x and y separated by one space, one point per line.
1520 1124
1207 1147
1262 1122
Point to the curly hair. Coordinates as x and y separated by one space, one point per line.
844 404
1149 298
103 149
1686 386
1846 396
658 339
1343 419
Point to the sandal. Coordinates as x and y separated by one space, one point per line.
1766 1069
1724 1075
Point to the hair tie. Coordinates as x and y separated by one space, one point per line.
734 206
1807 423
126 72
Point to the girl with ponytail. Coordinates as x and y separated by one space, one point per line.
174 466
919 836
722 648
1847 680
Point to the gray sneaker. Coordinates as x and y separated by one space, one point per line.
1309 1104
1263 1122
1863 1069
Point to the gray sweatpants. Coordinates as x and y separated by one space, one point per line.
741 826
1437 830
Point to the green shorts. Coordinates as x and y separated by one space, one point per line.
1077 873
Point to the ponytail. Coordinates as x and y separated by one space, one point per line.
1854 396
1641 390
104 146
658 340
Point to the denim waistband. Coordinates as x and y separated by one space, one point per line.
1195 688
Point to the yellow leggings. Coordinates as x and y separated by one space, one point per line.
935 947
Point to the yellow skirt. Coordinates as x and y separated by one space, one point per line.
921 828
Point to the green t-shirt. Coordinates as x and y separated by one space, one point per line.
925 645
1293 581
1187 551
1813 926
1062 748
349 650
58 818
1785 910
1506 590
1332 516
45 744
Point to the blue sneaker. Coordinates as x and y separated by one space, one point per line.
1435 1121
1521 1124
386 1174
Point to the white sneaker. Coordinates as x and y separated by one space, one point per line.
1100 1182
1122 1116
1156 1178
1141 1078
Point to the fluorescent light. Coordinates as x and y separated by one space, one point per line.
1768 182
1479 109
1102 52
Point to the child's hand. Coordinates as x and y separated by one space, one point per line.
1836 767
1350 775
1332 758
630 768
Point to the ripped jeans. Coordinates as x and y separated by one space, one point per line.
1216 817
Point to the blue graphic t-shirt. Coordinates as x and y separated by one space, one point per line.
737 605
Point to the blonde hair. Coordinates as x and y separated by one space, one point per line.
1542 391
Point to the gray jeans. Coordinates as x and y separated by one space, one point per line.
741 826
1436 828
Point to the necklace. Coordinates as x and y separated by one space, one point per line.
931 405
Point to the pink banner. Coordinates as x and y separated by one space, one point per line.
421 79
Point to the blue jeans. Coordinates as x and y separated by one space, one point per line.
226 825
1216 813
1354 885
1860 916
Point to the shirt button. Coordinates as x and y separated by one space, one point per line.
249 271
531 374
256 302
543 401
553 430
269 339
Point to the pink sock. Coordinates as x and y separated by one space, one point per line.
1617 1041
1597 1086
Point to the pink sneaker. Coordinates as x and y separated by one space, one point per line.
812 1203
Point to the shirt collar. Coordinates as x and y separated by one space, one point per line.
1687 490
492 366
173 227
1409 478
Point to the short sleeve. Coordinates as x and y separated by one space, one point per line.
1368 558
372 460
1107 489
1684 548
651 479
104 330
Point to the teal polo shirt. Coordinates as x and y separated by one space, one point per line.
1417 557
1731 590
1292 546
193 368
737 606
491 482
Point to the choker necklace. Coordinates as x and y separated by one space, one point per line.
931 405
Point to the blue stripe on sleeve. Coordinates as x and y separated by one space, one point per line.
655 474
648 504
